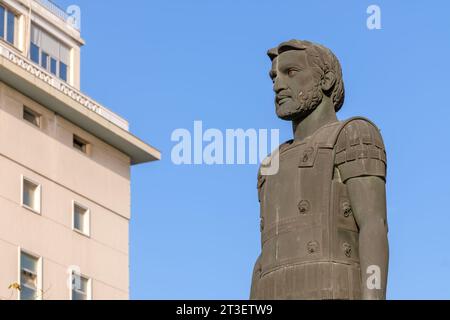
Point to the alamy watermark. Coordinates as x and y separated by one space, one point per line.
74 16
232 147
374 279
374 20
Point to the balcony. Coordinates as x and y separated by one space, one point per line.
31 80
55 10
62 86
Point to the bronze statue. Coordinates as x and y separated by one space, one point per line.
323 214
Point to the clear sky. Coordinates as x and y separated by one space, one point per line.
164 64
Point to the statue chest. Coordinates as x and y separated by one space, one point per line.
305 210
300 191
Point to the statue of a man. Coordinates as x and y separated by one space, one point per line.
323 214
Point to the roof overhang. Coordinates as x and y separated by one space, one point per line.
30 80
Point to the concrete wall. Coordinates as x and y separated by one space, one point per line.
99 181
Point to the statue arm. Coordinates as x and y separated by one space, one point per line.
361 162
368 198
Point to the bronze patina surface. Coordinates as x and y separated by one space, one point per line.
323 214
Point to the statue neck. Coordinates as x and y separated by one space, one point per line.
322 115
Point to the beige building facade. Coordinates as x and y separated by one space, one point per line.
64 166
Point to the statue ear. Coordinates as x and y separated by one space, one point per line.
328 81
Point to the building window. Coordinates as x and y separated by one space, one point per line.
29 277
44 60
80 144
81 219
53 66
31 116
63 71
7 25
31 195
81 287
49 53
34 53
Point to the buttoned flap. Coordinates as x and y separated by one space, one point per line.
346 245
324 138
342 208
308 156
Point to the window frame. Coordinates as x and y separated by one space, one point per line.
41 58
89 286
34 113
51 57
39 273
14 35
39 196
86 144
4 37
88 219
52 60
32 45
66 71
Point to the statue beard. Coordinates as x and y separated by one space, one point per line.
308 102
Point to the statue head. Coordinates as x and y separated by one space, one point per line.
303 73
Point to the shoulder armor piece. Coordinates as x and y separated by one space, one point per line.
359 139
360 148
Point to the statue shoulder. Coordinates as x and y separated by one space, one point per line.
360 149
359 131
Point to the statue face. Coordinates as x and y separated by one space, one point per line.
296 85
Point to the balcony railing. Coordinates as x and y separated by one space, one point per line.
62 86
55 9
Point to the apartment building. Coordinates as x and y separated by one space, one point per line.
64 166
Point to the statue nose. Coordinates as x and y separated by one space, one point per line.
278 85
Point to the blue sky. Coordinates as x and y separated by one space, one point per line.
164 64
